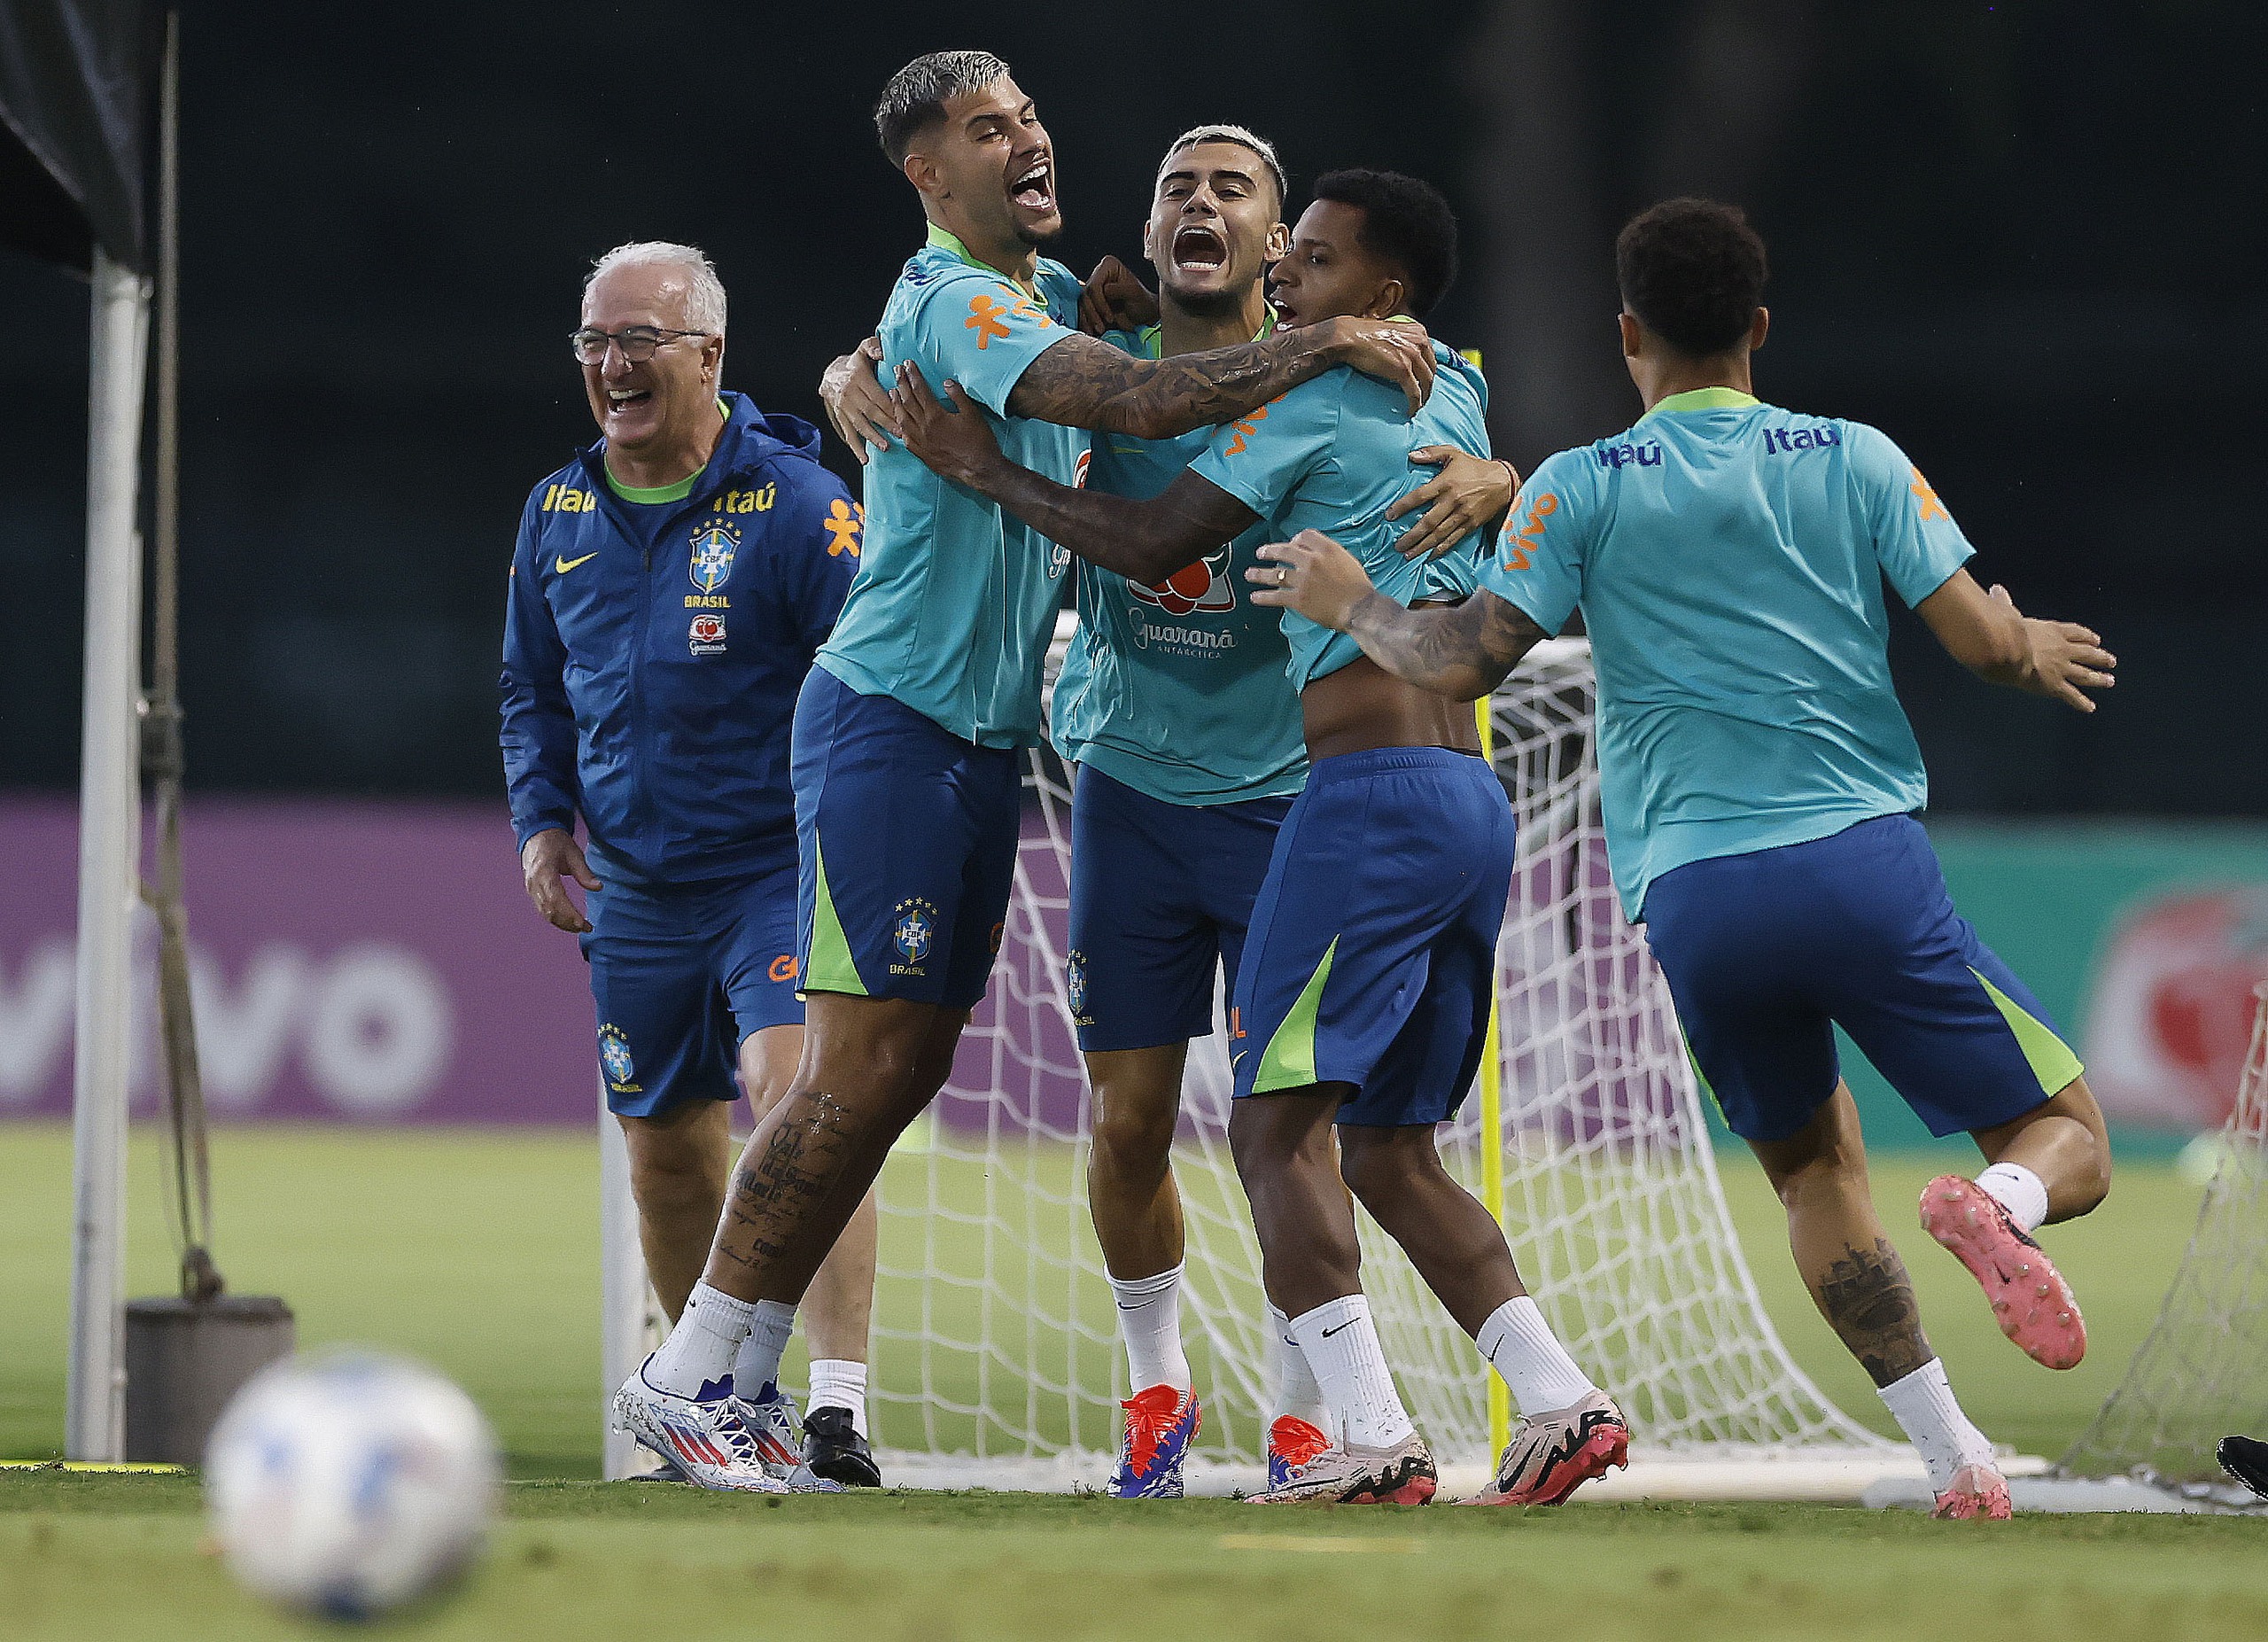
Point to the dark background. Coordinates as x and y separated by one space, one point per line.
2026 240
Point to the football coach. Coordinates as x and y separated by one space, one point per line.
669 589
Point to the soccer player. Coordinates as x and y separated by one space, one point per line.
1175 708
669 589
1364 992
1759 782
904 766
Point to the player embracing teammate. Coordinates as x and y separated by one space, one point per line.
905 765
1363 992
1758 781
1176 710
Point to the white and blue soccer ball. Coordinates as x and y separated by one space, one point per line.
346 1483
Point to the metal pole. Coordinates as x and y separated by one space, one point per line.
1492 1115
109 862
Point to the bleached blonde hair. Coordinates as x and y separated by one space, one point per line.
1242 138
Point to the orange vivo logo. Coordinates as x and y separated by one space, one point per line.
1516 550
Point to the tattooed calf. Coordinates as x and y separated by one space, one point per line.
1868 1298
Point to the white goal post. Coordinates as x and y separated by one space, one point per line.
996 1361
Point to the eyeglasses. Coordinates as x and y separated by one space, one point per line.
637 342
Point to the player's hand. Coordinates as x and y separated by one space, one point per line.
1393 350
1313 575
952 438
551 855
1115 298
856 402
2063 657
1469 493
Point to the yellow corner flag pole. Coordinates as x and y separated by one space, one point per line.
1492 1129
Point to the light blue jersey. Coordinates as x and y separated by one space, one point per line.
1729 558
1178 690
1332 454
955 598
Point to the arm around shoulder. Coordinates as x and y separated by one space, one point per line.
1081 382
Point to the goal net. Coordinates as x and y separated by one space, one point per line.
2202 1373
996 1359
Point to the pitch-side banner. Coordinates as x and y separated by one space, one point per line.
378 962
357 962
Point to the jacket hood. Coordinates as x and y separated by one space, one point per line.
772 434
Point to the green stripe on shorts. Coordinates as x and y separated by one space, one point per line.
1289 1062
2051 1058
831 968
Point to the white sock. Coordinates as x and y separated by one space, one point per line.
696 1360
2019 1191
1298 1392
1149 1321
1523 1349
1923 1404
838 1382
757 1365
1341 1346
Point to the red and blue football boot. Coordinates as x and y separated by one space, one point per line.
1161 1423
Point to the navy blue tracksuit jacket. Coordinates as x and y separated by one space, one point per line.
652 652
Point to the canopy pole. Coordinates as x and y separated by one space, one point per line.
109 862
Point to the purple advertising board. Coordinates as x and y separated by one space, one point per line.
351 961
378 962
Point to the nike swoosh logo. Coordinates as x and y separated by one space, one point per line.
563 565
1327 1333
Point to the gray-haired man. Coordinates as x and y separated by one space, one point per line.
669 589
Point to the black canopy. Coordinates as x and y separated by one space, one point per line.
79 129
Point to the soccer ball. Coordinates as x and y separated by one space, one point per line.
348 1482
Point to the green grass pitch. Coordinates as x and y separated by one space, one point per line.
477 1252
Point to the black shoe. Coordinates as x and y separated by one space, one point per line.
834 1449
2246 1459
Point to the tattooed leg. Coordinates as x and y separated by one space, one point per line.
869 1066
1853 1274
1866 1297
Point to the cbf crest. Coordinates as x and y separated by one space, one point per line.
614 1054
913 929
715 543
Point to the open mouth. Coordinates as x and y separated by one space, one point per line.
1035 189
1200 250
619 399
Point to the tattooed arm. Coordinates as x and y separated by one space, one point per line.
1083 382
1461 650
1145 542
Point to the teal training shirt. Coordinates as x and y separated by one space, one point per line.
1729 558
955 599
1178 690
1332 454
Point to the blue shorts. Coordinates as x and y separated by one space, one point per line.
908 845
1765 953
1373 944
1160 894
682 975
